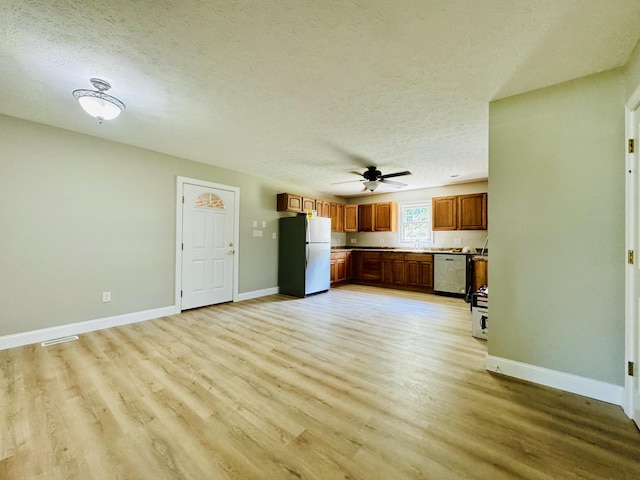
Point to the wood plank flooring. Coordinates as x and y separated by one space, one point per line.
357 383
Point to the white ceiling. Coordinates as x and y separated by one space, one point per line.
305 91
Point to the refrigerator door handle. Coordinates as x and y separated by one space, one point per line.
306 255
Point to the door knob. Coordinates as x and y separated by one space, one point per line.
231 252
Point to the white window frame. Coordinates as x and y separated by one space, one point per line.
401 222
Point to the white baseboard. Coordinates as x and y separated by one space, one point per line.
258 293
44 334
607 392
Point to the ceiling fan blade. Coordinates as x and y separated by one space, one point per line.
348 181
392 183
397 174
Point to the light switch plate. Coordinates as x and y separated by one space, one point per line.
257 233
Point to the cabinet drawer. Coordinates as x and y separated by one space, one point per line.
393 256
419 257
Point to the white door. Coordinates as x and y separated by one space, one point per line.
632 304
208 245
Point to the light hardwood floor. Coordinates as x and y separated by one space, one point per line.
357 383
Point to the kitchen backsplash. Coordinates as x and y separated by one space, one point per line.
455 239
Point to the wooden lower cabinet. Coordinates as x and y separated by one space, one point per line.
393 269
410 271
480 273
340 265
370 266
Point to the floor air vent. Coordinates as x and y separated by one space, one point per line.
55 341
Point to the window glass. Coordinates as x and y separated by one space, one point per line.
415 223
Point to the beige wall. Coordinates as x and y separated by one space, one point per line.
556 197
471 238
81 215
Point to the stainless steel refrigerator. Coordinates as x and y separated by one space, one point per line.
304 255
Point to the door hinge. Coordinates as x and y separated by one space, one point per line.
180 293
630 369
632 145
183 246
182 198
630 257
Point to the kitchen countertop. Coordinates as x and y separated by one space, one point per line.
449 251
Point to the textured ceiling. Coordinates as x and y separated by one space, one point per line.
305 91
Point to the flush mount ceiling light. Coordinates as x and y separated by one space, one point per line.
371 184
97 103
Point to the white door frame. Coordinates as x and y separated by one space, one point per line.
236 231
632 174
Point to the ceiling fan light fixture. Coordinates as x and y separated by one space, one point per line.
371 184
97 103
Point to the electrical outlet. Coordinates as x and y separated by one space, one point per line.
275 235
382 241
353 240
457 241
106 297
264 224
255 223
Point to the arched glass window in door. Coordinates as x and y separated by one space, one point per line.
209 200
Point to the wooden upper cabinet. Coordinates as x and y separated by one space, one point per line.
308 204
444 213
323 208
288 202
351 218
384 217
472 211
365 217
337 217
460 212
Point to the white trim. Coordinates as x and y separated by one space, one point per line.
44 334
400 217
631 288
180 181
607 392
258 293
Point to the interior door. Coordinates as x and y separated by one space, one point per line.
208 245
632 304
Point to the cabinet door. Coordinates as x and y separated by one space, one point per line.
480 274
351 218
426 274
386 271
341 270
288 202
349 261
308 204
444 213
399 272
371 266
365 217
472 211
356 263
384 217
337 217
332 270
412 273
324 208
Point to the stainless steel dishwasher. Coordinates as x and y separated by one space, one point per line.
450 274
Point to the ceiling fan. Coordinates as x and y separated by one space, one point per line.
373 178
